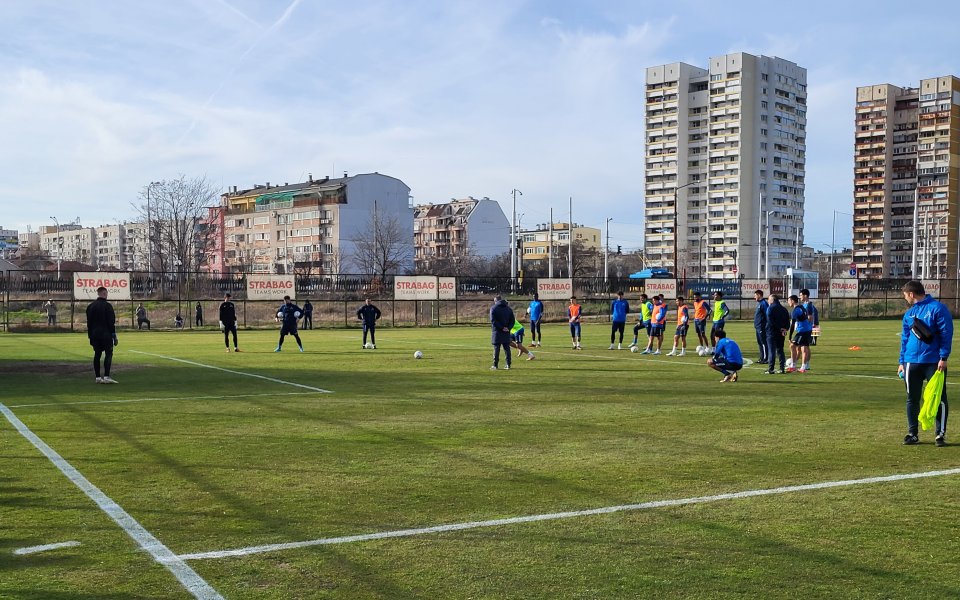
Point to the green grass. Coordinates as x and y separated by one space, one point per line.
213 460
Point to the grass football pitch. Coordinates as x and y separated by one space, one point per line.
330 474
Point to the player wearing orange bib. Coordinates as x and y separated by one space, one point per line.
683 323
574 312
700 311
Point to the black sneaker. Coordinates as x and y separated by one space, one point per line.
910 440
940 441
761 362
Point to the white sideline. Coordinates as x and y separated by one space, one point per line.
195 584
168 398
45 547
560 515
273 379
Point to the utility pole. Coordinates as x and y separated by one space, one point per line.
513 242
606 252
550 246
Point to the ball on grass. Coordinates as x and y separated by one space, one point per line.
634 349
418 355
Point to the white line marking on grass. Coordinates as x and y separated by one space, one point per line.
273 379
45 547
561 515
155 399
163 555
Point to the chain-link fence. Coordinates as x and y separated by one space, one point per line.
24 298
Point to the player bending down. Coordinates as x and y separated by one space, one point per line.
727 357
516 340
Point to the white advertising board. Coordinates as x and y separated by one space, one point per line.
932 287
85 285
416 287
749 286
667 287
555 289
844 288
270 287
447 287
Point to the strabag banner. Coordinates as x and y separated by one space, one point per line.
270 287
844 288
424 287
555 289
85 285
667 287
749 286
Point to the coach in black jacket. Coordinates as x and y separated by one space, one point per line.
778 322
102 333
501 321
760 325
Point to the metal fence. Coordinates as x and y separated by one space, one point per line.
336 300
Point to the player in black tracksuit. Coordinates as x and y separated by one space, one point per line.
368 313
289 313
228 322
102 333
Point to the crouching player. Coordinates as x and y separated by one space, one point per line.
516 340
727 357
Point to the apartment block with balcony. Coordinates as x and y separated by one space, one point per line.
444 234
725 165
310 227
539 243
906 189
69 241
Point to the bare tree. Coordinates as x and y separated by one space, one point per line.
174 211
383 246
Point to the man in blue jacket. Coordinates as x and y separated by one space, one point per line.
760 325
501 321
924 349
778 323
618 316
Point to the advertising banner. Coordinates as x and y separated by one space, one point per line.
752 285
270 287
447 287
417 287
932 287
85 285
667 287
844 288
555 289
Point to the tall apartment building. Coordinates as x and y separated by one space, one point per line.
69 241
311 226
458 229
907 179
725 166
9 242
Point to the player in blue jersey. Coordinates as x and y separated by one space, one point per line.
727 357
619 309
535 310
289 314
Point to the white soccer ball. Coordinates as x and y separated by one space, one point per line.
702 351
368 346
418 355
699 350
634 349
279 314
297 314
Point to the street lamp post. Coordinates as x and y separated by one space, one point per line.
833 239
59 246
150 231
676 212
606 253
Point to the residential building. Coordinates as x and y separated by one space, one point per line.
906 190
69 241
536 247
29 240
9 242
444 234
313 226
725 166
110 243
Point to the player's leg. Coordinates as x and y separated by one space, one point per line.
107 359
97 354
365 331
373 334
914 376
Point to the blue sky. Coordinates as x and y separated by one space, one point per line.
98 98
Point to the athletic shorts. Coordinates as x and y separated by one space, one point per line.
802 339
717 326
102 344
721 362
700 326
682 330
288 329
517 337
575 329
656 330
648 325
